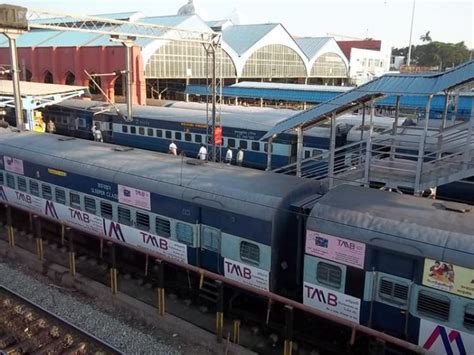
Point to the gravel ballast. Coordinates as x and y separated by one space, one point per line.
85 316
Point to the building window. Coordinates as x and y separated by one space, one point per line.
10 181
34 187
210 239
21 184
89 204
184 233
106 210
60 196
393 291
124 129
329 274
250 252
162 227
124 215
433 305
75 200
143 221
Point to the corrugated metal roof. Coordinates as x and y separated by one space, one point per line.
284 86
399 84
119 15
312 45
241 37
37 89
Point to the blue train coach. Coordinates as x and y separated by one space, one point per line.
400 264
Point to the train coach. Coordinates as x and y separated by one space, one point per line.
232 221
397 263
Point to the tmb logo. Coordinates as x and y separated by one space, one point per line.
447 340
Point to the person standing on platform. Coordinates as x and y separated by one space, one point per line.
50 127
173 148
228 156
202 153
240 156
98 135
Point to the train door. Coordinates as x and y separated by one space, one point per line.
210 248
293 150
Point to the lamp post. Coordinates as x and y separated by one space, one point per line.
411 32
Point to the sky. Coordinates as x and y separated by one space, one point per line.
388 20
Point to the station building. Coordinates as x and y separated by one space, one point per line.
163 68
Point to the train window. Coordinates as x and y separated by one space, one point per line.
393 291
143 221
177 136
75 200
46 192
81 123
133 129
184 233
1 178
150 132
34 188
243 144
60 196
231 143
307 154
159 133
162 227
469 316
210 239
124 129
21 184
10 181
168 134
265 147
250 252
89 204
106 210
256 146
124 216
329 274
433 305
198 138
141 131
188 137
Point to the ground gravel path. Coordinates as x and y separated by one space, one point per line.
102 325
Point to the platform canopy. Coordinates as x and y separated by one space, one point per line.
38 95
389 84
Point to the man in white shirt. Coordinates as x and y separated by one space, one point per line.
240 157
173 148
202 153
228 156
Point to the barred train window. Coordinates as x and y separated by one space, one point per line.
34 188
106 210
89 204
124 216
162 227
469 316
250 252
10 181
159 133
60 196
184 233
141 131
1 178
150 132
124 129
21 184
198 138
75 200
46 192
210 239
433 305
133 129
143 221
393 291
328 274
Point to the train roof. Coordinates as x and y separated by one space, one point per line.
246 191
408 224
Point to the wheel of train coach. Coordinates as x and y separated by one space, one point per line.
399 264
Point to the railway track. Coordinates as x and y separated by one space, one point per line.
26 328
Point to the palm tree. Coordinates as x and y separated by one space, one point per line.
426 37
